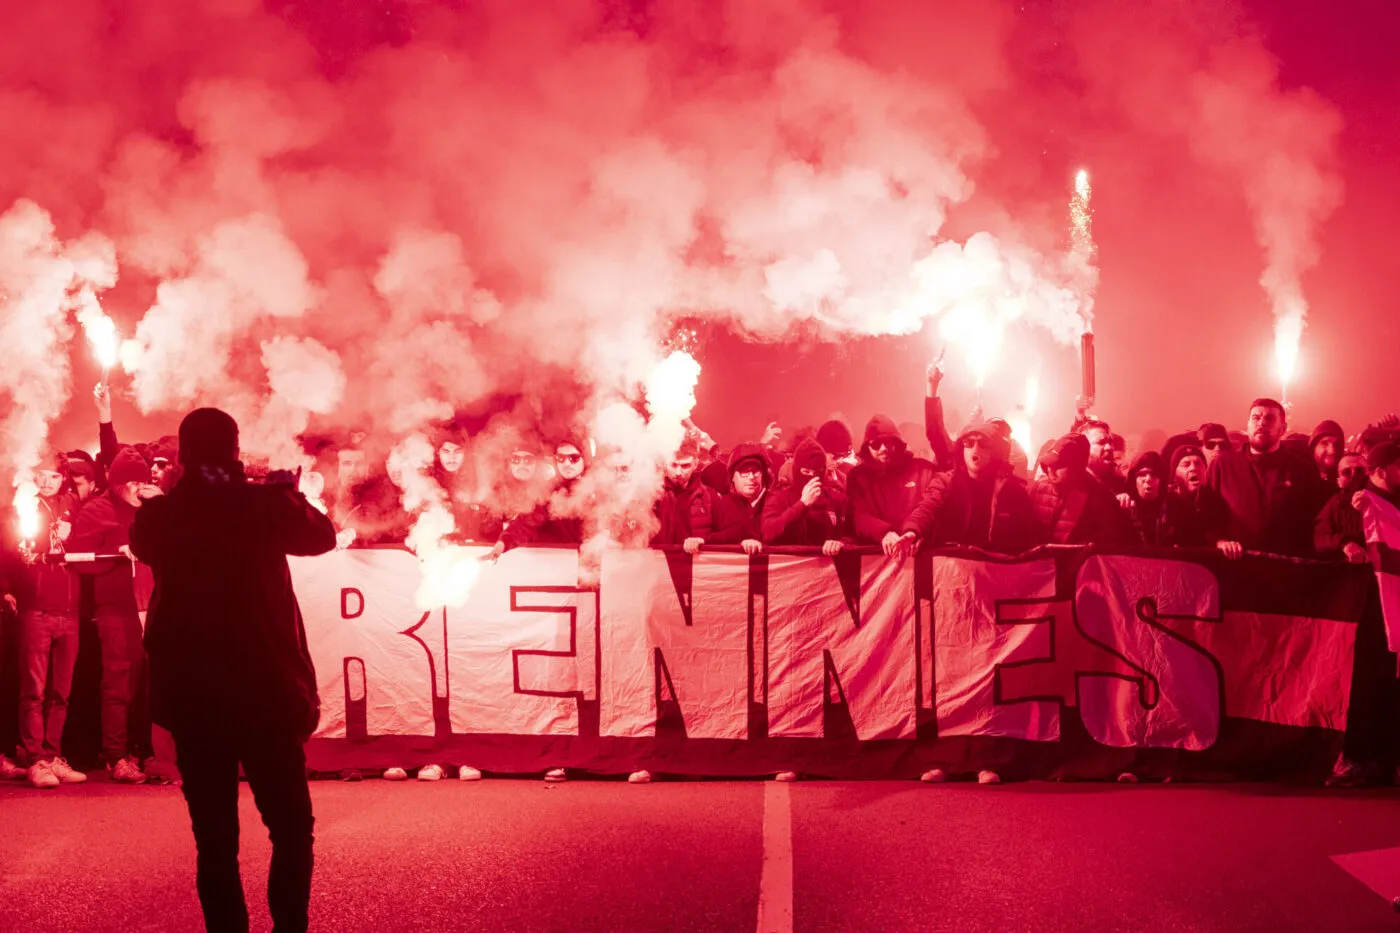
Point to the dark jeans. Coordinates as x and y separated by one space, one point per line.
119 634
48 644
275 764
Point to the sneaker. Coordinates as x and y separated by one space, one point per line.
639 777
430 773
127 771
395 774
786 777
9 771
1127 777
40 775
556 776
988 777
1347 773
351 775
65 772
468 773
934 776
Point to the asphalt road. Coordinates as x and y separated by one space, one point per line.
605 855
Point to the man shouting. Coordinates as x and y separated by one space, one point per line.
231 677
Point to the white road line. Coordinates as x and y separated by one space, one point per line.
775 878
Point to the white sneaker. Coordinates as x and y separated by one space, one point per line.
127 771
395 774
430 773
934 776
41 776
9 771
988 777
639 777
1127 777
468 773
786 777
65 772
556 776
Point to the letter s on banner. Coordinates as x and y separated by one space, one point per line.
1177 702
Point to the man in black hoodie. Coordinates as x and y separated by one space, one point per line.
560 520
1197 516
678 492
734 517
1071 506
1274 492
231 676
103 526
887 485
978 503
810 511
1326 445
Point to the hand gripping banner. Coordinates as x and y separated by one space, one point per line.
1066 662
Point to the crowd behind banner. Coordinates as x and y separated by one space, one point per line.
72 587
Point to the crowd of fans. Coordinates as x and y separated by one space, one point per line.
1263 489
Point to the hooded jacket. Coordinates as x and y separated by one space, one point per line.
1079 511
728 518
225 637
993 513
673 509
103 525
883 494
787 520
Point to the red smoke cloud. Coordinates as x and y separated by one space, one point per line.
371 221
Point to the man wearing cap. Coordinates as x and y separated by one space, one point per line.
978 503
1071 506
103 526
810 511
1213 438
231 676
734 517
1199 517
1274 491
887 485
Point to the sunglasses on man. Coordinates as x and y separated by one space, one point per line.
885 445
1214 445
568 458
520 459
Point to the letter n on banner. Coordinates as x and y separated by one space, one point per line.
682 630
1176 701
524 648
974 636
853 630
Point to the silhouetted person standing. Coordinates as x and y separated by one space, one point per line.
231 677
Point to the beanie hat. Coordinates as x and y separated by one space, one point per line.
1071 452
208 435
74 468
1149 461
128 467
1181 453
1382 456
835 438
744 453
1331 429
809 455
881 428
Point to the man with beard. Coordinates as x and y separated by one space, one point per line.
1103 456
733 517
1273 491
679 490
887 485
1326 445
979 503
452 471
1071 506
810 511
1338 531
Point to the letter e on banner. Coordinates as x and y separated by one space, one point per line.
1176 702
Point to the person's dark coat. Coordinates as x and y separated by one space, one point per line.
787 520
882 495
673 509
43 585
729 518
102 526
1337 524
225 637
992 513
376 512
1079 511
557 521
1273 498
